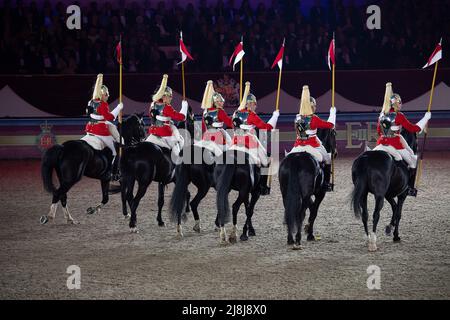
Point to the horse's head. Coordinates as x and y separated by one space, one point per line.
133 129
188 124
328 138
410 138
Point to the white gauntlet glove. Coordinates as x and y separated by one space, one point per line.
423 122
184 107
332 117
117 109
273 120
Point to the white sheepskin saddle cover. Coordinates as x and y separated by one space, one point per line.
311 150
390 150
94 142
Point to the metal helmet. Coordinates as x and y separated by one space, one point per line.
396 101
217 97
313 102
104 90
251 98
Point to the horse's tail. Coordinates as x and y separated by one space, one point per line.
49 161
223 189
360 186
293 198
179 192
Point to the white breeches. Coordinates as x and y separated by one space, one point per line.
326 156
409 157
109 142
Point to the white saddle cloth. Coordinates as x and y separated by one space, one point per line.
311 150
158 141
216 149
94 142
390 150
253 153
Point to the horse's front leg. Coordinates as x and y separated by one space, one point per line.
105 197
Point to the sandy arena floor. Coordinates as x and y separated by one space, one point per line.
155 265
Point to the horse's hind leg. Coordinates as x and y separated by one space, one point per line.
201 193
188 198
391 225
401 200
313 209
251 208
379 201
160 204
243 197
65 208
300 217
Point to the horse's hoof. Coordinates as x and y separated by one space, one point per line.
196 228
72 222
161 224
306 228
91 210
43 219
372 248
224 243
244 237
127 217
296 247
251 232
388 230
397 239
179 236
184 217
310 237
232 239
216 228
290 243
134 230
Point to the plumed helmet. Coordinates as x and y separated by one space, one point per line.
387 98
243 104
98 88
162 90
208 95
305 103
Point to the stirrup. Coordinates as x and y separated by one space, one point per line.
264 191
328 187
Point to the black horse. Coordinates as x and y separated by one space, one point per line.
199 170
301 176
76 158
378 173
146 162
237 172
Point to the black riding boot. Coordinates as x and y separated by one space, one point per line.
412 191
264 185
327 186
115 170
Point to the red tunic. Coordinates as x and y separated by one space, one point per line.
166 130
313 141
101 128
400 120
249 141
223 117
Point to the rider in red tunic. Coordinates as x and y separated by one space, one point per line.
214 117
245 120
306 124
389 126
162 114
